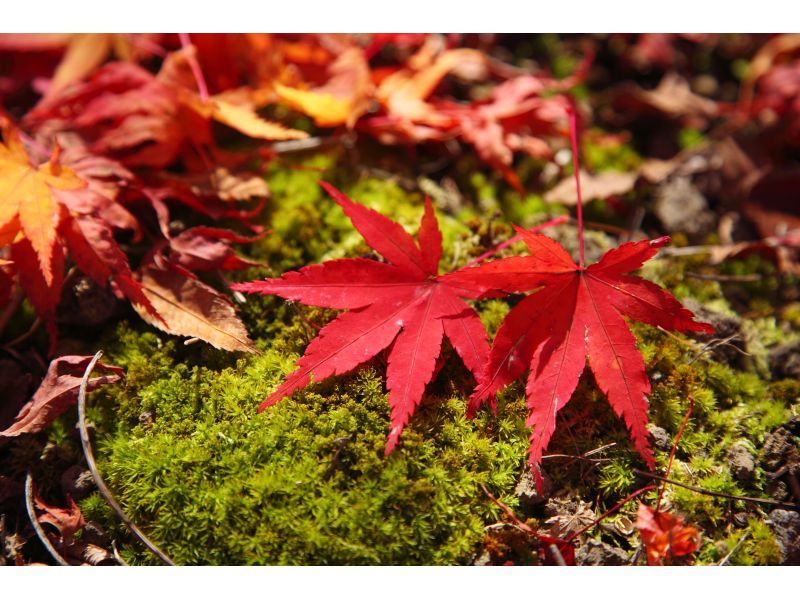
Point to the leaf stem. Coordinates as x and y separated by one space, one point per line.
98 479
202 87
573 138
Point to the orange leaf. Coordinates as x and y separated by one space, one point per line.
26 194
665 535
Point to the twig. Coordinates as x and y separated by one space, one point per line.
727 558
117 555
37 527
611 511
25 335
556 554
726 277
585 456
87 451
760 501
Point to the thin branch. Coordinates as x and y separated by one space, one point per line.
726 277
37 526
759 501
87 451
556 554
25 335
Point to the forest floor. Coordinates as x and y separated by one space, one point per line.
695 137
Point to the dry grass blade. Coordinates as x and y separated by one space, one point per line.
37 527
90 461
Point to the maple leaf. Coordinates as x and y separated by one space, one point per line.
145 119
57 392
577 314
664 535
404 303
27 201
185 306
343 98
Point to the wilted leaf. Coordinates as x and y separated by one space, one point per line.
57 392
191 308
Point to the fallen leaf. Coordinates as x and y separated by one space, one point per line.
343 98
191 308
68 521
405 304
672 97
577 314
58 392
665 536
594 186
27 200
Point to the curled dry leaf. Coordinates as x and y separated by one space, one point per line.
344 97
66 520
191 308
57 392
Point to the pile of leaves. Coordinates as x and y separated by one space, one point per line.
132 169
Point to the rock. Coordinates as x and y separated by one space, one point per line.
725 327
741 463
595 553
786 526
682 208
484 559
661 439
77 482
84 303
784 360
526 489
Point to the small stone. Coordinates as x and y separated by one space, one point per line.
661 439
740 519
146 419
77 482
682 208
786 526
596 552
526 490
741 463
784 360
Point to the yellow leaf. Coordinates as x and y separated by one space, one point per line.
246 121
326 109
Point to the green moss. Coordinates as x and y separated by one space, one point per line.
305 482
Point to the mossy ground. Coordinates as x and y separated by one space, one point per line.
306 482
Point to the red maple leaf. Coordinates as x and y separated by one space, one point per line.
404 303
665 535
578 313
